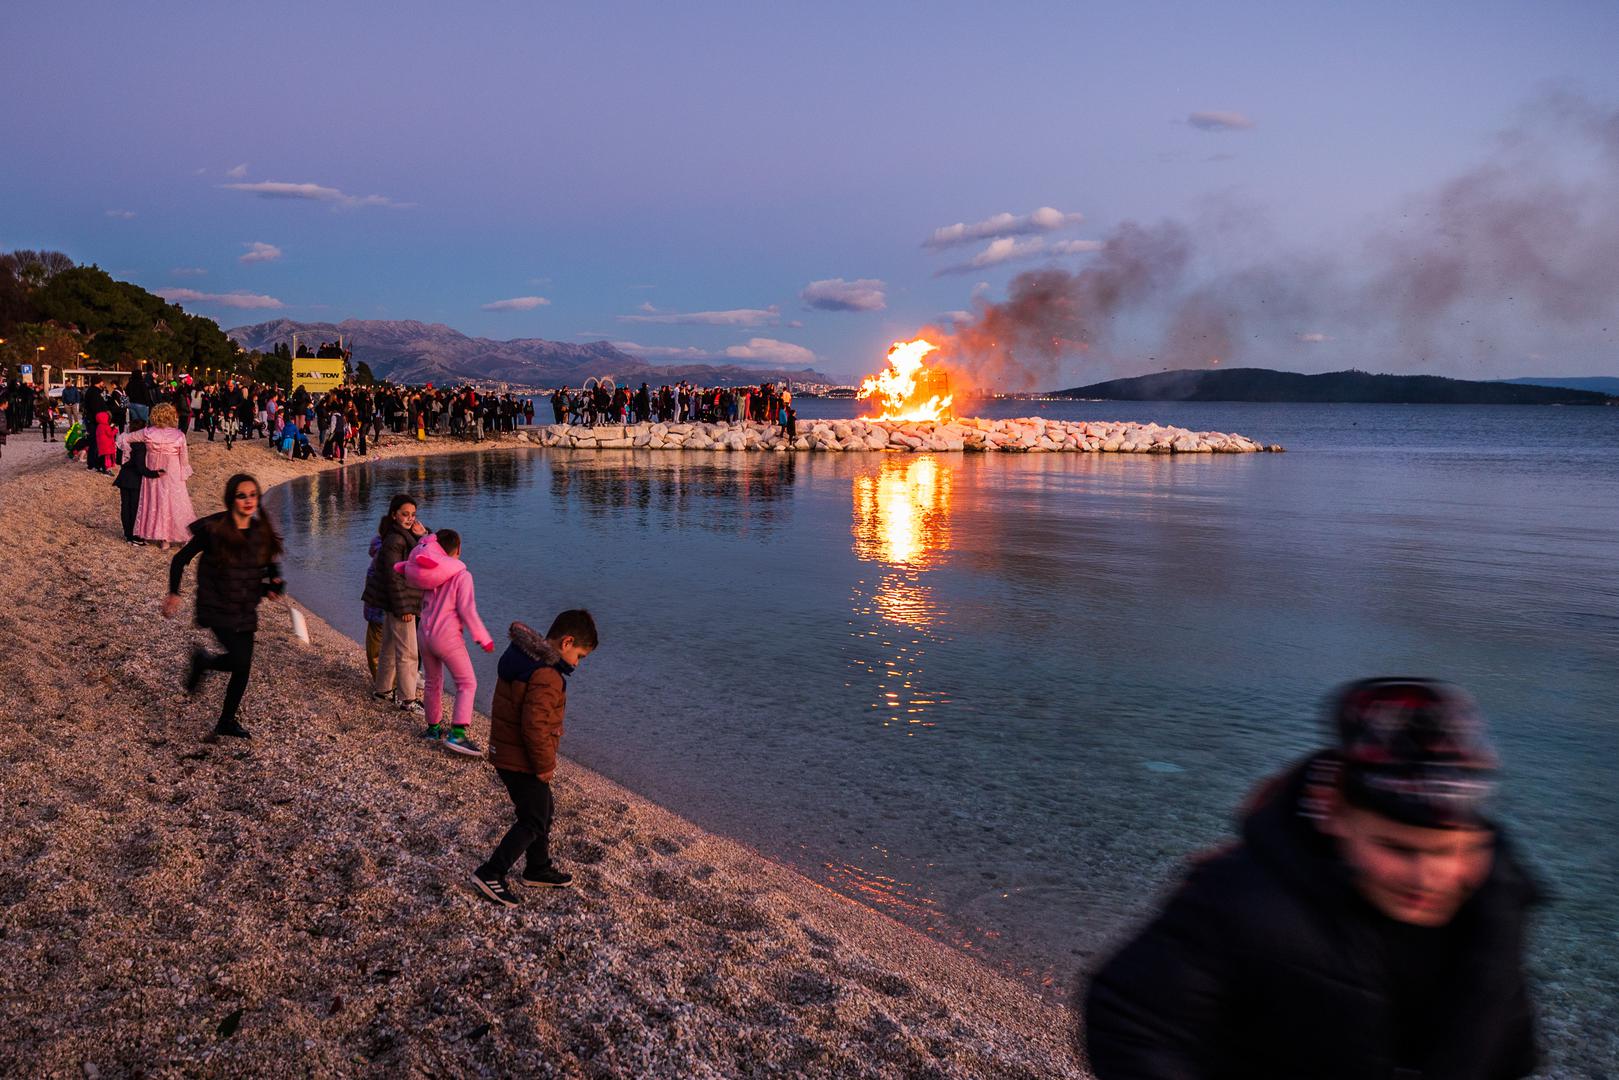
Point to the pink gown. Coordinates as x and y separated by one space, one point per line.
165 512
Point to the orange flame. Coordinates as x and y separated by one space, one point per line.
906 391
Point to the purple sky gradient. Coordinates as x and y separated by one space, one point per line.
520 171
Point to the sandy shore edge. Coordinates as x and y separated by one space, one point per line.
174 906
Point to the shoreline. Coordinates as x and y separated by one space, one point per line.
320 891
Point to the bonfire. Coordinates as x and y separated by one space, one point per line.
909 390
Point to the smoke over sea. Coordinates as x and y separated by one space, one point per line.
1514 260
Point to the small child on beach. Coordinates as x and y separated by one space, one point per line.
106 444
128 481
525 729
448 608
373 615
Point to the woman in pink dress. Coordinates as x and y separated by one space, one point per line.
165 514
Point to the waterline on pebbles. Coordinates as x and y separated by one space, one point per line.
1030 435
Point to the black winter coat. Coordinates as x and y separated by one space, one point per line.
1267 963
384 587
231 579
134 469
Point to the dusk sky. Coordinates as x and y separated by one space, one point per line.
804 184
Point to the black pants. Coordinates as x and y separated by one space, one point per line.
531 797
129 501
236 659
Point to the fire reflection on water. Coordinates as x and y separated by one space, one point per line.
902 514
901 522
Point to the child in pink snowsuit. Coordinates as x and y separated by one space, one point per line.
106 444
447 609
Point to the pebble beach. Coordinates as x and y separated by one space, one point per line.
296 905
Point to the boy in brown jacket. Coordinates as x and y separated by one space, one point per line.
524 731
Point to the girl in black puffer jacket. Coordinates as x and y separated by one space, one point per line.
240 552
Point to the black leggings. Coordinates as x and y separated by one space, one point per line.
236 659
129 504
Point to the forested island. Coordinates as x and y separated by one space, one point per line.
1346 387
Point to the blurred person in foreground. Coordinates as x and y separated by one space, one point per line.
1369 923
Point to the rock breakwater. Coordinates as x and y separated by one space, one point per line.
1031 435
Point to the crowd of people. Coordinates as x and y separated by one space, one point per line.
347 419
602 404
1370 920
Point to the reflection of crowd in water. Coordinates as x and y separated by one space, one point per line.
601 404
721 493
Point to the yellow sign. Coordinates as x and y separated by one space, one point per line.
316 376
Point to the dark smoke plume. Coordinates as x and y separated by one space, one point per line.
1519 254
1049 314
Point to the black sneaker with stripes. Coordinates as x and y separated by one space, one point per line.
549 878
493 888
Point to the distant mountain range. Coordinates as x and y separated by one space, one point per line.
406 351
1262 384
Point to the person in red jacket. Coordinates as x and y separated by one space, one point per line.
106 442
525 729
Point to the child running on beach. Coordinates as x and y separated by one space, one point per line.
240 566
448 608
525 729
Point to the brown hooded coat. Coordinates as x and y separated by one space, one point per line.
525 719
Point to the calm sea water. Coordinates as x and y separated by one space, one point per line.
1003 696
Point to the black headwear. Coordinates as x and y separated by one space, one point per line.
1414 750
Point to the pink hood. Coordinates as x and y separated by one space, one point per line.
427 567
448 605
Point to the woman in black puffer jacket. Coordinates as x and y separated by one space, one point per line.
400 602
240 552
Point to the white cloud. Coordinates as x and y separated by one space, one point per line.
758 350
733 317
1314 337
278 189
1010 249
664 352
1219 121
248 301
188 271
517 303
958 317
776 352
1046 219
237 172
258 251
121 215
835 294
